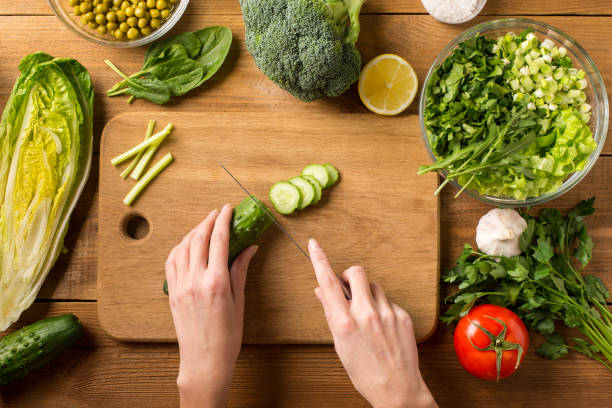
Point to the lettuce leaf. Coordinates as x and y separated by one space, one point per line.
45 158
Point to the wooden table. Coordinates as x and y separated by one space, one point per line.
101 372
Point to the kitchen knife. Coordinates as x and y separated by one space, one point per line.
345 288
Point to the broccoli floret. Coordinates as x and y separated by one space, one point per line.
306 46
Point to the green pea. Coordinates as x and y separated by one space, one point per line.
119 34
155 23
142 4
142 22
165 13
125 5
101 9
85 7
139 12
132 21
89 16
129 11
151 4
133 33
146 31
173 1
83 20
111 26
77 11
74 2
121 16
92 25
100 19
101 30
96 2
117 3
154 13
161 4
124 27
111 16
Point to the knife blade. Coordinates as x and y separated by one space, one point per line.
345 288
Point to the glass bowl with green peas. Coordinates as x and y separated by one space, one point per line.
119 23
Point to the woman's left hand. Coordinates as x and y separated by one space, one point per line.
207 304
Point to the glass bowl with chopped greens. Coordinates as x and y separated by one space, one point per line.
119 23
513 112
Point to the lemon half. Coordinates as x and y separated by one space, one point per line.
387 84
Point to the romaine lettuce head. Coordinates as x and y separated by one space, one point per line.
45 157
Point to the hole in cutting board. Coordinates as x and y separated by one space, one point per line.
135 226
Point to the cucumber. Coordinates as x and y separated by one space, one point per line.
307 191
35 345
285 197
333 174
317 187
319 172
248 223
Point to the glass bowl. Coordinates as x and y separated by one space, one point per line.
63 11
595 91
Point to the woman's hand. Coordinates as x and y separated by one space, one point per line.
207 304
373 337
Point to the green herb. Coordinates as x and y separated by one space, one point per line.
544 285
501 122
147 178
175 66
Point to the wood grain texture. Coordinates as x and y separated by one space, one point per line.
240 86
376 216
493 7
103 373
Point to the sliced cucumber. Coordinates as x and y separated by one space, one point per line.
319 172
333 174
317 187
285 197
307 191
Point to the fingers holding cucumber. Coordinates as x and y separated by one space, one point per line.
304 190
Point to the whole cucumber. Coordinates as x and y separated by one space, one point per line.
33 346
248 223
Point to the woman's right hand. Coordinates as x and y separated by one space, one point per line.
373 337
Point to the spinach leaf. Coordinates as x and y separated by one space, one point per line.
180 74
216 42
175 66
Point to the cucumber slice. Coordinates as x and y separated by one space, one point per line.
285 197
307 191
333 174
319 172
317 187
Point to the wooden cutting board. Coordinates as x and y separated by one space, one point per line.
381 215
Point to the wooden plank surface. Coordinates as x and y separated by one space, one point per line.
417 38
103 373
493 7
375 216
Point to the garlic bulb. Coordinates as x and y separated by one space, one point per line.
498 232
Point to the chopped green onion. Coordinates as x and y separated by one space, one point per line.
158 137
134 162
147 178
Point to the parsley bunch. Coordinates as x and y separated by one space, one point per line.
544 285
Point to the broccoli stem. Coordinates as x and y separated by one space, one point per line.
346 13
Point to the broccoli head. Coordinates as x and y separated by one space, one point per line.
306 46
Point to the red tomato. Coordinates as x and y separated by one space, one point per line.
507 342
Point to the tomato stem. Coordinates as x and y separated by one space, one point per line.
498 344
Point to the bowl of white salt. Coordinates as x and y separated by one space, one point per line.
453 11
